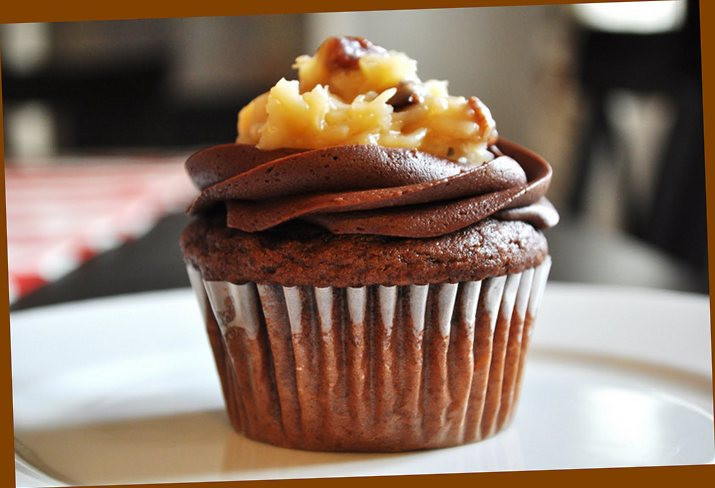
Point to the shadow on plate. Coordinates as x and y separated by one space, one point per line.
183 447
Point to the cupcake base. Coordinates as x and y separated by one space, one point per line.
375 368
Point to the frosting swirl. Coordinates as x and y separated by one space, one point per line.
370 189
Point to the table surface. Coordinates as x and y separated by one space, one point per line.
63 210
580 254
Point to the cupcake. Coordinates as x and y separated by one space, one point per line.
369 258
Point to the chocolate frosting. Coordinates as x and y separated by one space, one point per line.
369 189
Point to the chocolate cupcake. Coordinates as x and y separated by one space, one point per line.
369 259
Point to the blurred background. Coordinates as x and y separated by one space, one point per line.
610 94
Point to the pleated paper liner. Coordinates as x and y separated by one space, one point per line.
376 368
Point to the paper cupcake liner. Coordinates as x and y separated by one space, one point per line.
375 368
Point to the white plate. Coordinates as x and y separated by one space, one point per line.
123 390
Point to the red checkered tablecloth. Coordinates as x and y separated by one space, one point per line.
61 212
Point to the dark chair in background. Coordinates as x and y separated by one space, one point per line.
668 64
124 106
97 106
153 83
